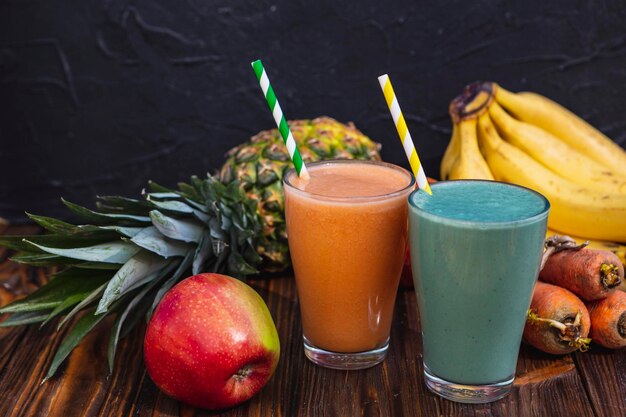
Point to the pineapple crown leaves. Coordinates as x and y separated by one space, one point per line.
131 253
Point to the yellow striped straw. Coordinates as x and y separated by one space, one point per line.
403 132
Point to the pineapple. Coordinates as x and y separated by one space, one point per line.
260 164
132 251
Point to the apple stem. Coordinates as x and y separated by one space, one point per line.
243 373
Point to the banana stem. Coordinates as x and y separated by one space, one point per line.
473 101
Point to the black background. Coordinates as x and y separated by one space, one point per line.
97 97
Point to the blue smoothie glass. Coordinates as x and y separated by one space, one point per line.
476 249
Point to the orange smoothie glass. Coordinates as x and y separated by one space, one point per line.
347 228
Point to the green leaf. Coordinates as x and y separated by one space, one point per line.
222 255
123 205
51 224
17 243
61 286
203 217
215 229
151 239
185 230
97 265
121 319
138 269
238 266
156 188
178 207
199 211
112 252
125 231
188 191
106 218
28 317
171 205
68 303
42 259
74 241
83 231
86 301
138 314
196 205
203 253
62 228
182 268
164 195
55 241
78 332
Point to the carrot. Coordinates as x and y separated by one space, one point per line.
591 274
608 320
557 321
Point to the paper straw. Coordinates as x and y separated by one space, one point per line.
403 132
281 122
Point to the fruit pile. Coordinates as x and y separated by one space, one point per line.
529 140
577 296
130 252
128 255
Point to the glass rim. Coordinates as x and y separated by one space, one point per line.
350 199
535 217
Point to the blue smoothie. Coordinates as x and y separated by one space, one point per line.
476 248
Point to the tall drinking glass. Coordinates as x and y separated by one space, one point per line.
347 230
476 248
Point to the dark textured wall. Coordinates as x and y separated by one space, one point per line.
97 97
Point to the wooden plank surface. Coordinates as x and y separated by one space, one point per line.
583 384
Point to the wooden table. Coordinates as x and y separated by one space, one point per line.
582 384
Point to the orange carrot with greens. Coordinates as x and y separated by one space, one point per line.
608 320
591 274
557 321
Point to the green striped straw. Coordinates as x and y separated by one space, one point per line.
279 117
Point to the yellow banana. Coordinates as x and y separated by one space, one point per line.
555 154
451 154
574 209
469 163
562 123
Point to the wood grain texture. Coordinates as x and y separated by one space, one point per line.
589 384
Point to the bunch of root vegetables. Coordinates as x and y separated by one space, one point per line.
577 299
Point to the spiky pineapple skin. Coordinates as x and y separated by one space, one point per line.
261 163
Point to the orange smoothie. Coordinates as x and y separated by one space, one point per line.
347 230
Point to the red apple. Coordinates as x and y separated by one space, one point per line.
211 342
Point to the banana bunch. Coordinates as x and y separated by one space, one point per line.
529 140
